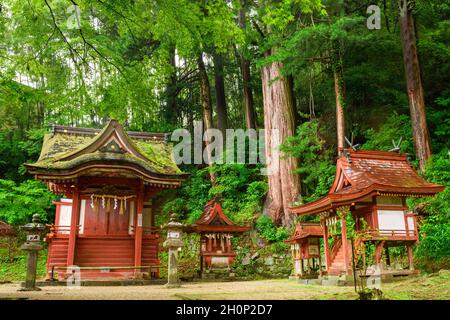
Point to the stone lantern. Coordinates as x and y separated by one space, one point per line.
32 246
174 243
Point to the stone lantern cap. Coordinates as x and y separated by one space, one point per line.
174 232
33 229
35 225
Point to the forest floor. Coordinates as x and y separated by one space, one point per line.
430 287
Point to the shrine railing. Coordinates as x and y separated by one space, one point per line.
147 231
388 233
65 230
55 229
150 231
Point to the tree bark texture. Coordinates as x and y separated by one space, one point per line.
284 185
339 95
205 97
414 87
222 118
250 116
171 102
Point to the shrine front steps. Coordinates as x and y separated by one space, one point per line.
218 274
348 280
337 267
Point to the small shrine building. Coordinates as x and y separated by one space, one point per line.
305 249
216 231
372 187
104 223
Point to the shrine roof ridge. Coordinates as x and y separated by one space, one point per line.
366 173
160 136
68 152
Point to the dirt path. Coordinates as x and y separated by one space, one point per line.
425 287
245 290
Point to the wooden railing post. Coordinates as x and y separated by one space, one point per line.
138 227
73 226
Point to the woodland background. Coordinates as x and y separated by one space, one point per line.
160 65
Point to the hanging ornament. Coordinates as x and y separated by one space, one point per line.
96 205
115 203
121 211
92 201
103 202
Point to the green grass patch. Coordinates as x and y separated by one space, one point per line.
17 269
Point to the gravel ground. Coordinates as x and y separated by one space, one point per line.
429 287
242 290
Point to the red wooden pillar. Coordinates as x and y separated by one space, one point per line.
209 247
326 247
73 226
138 228
345 243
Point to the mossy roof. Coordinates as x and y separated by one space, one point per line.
66 149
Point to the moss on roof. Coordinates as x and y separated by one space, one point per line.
57 146
159 154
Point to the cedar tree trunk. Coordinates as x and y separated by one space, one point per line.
414 83
284 185
250 118
205 97
339 94
222 119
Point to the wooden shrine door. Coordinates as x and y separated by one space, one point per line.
99 222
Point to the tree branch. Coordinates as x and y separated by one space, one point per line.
94 48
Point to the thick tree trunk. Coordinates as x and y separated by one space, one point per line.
284 185
290 79
222 118
250 117
414 83
170 112
339 95
205 97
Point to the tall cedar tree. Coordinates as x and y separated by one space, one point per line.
414 87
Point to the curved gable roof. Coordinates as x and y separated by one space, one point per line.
214 219
305 230
363 173
69 151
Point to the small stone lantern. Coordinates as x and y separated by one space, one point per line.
32 245
174 243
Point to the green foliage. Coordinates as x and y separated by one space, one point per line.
279 247
435 229
393 128
439 121
17 150
269 231
120 65
18 202
17 269
240 186
316 163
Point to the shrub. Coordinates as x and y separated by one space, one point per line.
434 245
269 231
18 202
316 159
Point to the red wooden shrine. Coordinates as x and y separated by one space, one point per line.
216 231
104 224
305 248
372 187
